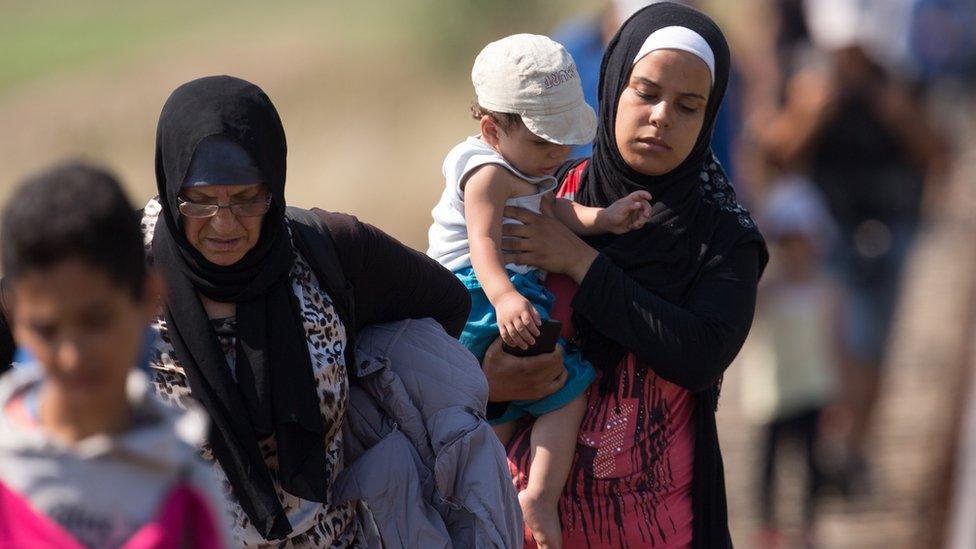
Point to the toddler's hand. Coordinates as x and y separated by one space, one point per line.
627 214
518 321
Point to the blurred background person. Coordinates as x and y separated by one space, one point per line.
868 145
793 378
941 41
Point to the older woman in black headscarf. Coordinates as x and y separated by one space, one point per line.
660 311
259 319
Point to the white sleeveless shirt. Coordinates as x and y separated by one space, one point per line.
448 235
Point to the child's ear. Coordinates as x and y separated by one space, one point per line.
154 294
490 131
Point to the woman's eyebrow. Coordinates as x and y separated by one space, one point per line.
196 196
249 190
650 82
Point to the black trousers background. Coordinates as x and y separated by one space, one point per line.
804 427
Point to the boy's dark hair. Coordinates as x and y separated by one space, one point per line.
73 211
505 120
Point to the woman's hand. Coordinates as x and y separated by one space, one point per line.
543 242
522 378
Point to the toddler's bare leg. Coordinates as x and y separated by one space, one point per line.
553 447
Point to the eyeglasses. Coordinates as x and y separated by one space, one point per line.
251 208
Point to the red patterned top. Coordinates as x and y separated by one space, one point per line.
630 484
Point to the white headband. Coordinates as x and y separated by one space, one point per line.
679 38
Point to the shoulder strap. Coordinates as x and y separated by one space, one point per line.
314 241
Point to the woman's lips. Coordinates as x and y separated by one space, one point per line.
654 144
223 244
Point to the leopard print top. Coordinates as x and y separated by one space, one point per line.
314 524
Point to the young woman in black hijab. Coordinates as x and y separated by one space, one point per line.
250 331
661 311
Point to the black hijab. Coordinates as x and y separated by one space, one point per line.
275 389
695 220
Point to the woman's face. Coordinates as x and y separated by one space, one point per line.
661 111
224 238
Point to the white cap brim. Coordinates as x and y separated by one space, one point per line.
576 126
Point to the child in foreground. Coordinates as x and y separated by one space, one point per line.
88 456
531 112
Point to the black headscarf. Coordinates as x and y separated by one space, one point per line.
695 220
275 388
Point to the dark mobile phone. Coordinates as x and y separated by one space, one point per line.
545 342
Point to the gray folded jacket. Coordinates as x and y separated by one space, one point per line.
418 450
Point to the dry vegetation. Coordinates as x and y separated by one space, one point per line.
371 102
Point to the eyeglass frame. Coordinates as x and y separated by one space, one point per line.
180 201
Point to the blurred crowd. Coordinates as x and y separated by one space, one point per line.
831 131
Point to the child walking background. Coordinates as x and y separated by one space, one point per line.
531 112
793 372
88 456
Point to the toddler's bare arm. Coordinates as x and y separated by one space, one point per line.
580 219
485 193
626 214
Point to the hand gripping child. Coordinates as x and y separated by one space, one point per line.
531 111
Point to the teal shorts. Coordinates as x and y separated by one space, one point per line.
481 330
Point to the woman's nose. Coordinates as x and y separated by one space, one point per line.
661 114
223 220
